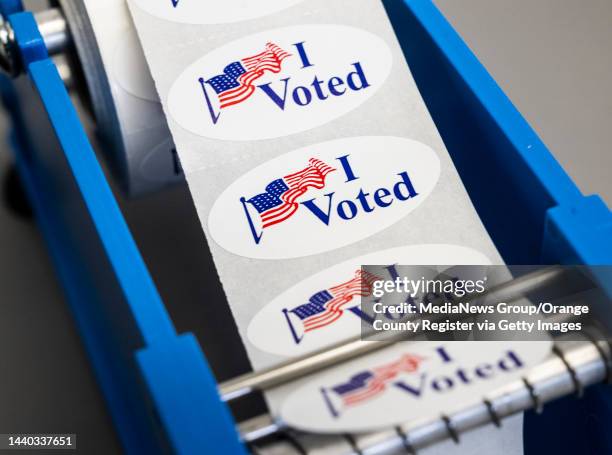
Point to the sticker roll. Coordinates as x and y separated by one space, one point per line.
309 152
126 107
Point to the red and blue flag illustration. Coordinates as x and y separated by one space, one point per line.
279 202
368 384
235 85
327 306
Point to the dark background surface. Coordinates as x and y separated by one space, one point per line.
552 57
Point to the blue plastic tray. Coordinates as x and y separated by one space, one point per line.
157 383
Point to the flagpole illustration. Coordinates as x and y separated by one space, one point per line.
211 110
293 332
329 403
256 236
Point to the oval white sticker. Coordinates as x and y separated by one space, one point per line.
323 197
207 12
408 382
279 82
294 323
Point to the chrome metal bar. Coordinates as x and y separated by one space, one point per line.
355 347
296 368
65 70
577 365
259 428
54 30
8 50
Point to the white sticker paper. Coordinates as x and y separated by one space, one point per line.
207 12
278 329
408 382
306 144
279 82
130 118
327 195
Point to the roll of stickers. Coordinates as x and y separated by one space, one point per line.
126 106
309 152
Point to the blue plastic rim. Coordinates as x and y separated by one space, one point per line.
158 382
8 7
530 206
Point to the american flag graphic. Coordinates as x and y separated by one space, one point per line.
371 383
326 307
235 85
278 203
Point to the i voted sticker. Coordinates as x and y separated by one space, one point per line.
324 196
280 82
327 307
408 382
208 12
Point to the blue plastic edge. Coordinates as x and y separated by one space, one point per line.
574 229
493 100
581 227
173 367
131 272
196 420
8 7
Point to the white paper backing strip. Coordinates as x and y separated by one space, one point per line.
351 119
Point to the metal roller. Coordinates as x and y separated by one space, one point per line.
355 347
574 365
